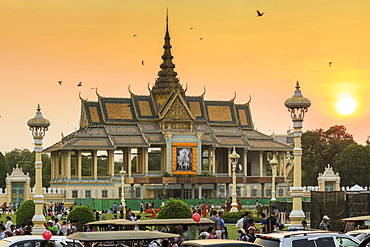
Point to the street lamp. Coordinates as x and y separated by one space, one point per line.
297 106
38 125
273 164
122 173
234 157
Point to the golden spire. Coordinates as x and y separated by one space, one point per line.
167 80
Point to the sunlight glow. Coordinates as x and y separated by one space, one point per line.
346 105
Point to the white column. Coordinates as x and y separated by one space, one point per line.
79 164
261 163
145 160
94 156
214 161
193 191
229 162
57 165
200 191
245 161
111 162
68 164
129 162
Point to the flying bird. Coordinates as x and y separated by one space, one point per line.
79 84
330 64
191 28
60 82
201 38
259 13
134 35
142 62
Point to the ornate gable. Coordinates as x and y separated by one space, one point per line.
176 113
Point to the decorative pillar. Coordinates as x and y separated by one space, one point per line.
261 163
38 125
27 188
273 164
8 189
234 158
122 173
297 106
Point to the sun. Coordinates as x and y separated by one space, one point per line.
346 105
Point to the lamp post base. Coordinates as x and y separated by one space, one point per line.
39 227
296 218
234 207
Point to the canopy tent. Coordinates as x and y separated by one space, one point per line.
120 236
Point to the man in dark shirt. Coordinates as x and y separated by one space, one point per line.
271 222
246 219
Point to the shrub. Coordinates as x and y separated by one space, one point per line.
175 209
82 214
25 212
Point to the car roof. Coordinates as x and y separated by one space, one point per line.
223 242
289 234
120 235
32 237
359 231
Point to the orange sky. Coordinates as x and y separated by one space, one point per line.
92 41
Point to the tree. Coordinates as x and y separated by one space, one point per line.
175 209
25 212
82 214
353 165
4 170
321 148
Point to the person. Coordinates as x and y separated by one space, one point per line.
242 236
8 223
225 234
2 230
304 225
114 207
239 223
50 226
214 218
325 224
221 220
63 231
270 222
263 222
251 236
204 209
50 244
211 233
58 226
185 234
246 219
240 206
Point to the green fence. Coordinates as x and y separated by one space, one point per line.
134 204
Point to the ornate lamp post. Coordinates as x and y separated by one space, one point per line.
38 125
122 173
273 164
297 106
234 157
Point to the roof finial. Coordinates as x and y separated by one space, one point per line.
297 86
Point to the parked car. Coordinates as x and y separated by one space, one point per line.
359 234
37 241
306 238
218 243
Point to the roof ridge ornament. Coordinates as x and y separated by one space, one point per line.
250 99
79 95
96 91
233 99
